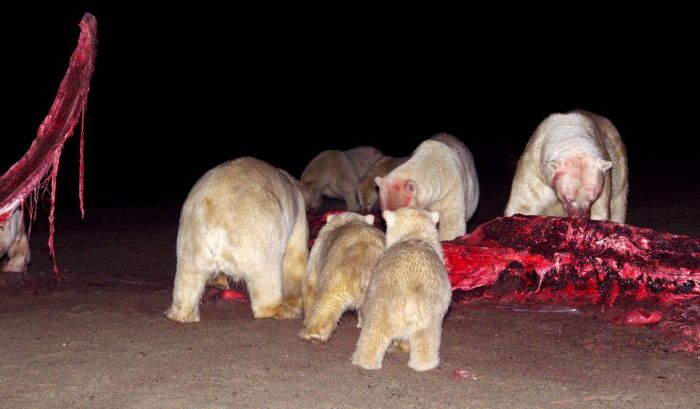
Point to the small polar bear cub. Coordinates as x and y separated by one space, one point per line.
440 176
14 244
246 219
408 294
340 265
575 164
367 193
335 174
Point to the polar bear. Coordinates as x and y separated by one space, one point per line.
575 164
246 219
335 174
14 244
367 193
363 157
439 176
340 264
408 295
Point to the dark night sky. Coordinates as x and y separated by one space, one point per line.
180 89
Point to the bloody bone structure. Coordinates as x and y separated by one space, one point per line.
39 166
593 260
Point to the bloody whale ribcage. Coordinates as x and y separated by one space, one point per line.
596 260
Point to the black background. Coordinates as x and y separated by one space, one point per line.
179 89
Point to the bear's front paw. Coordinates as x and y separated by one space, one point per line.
180 315
366 362
314 334
280 312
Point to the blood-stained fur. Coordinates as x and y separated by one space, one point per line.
440 176
367 191
575 164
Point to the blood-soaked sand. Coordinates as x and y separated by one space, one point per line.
99 339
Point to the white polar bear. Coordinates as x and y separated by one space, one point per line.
367 193
335 174
575 164
338 272
14 244
408 295
245 219
439 176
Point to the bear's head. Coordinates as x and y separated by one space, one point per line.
367 194
578 182
409 224
396 194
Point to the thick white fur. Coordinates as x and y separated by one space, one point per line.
471 195
340 265
594 184
446 182
335 174
14 244
408 293
245 219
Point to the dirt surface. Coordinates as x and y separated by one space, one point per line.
99 338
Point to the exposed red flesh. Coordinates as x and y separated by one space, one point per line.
637 317
39 166
594 260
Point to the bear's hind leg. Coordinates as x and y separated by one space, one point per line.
265 290
294 261
425 348
324 318
187 292
371 346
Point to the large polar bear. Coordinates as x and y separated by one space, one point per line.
440 176
367 194
408 294
245 219
575 164
340 265
335 174
14 244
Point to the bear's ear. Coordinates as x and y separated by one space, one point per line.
330 217
434 216
410 185
369 218
604 165
378 181
389 217
553 165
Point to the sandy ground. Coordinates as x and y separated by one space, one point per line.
100 340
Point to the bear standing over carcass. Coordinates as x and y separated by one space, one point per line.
575 164
440 176
246 219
